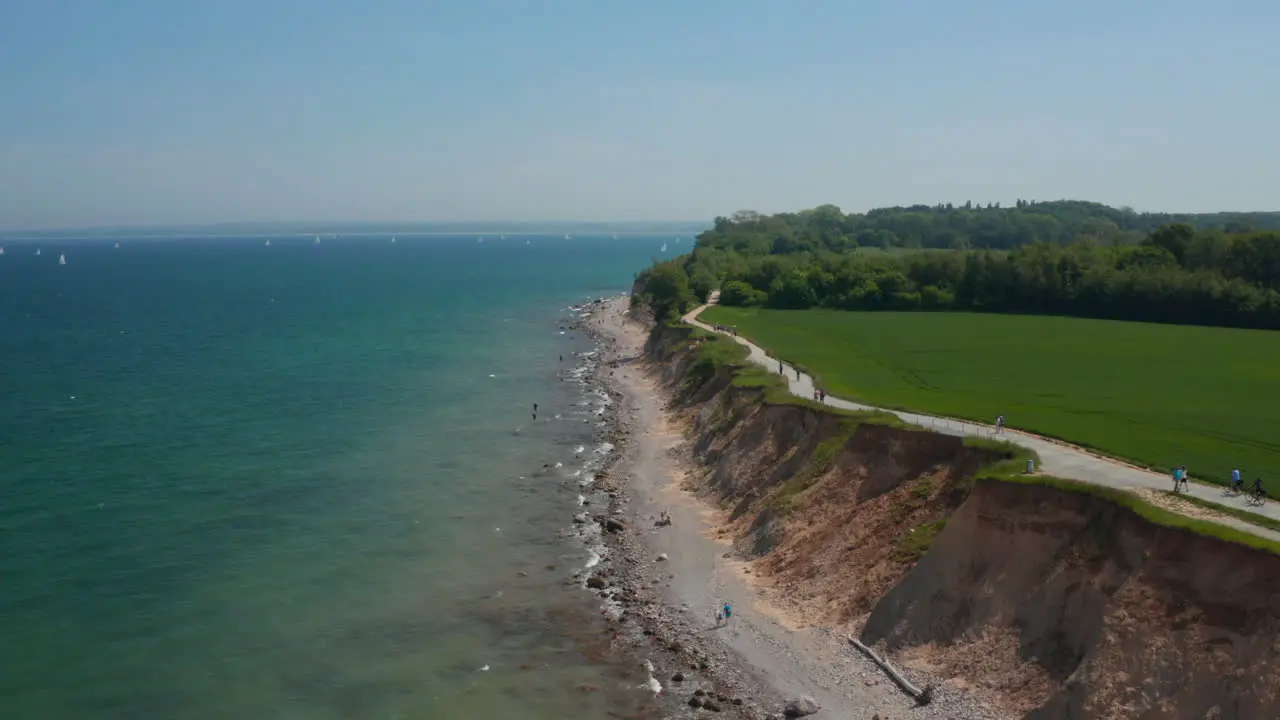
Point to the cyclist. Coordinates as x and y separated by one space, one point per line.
1258 492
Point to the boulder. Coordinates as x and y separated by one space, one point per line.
801 707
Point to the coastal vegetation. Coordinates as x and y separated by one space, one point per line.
1055 258
1161 395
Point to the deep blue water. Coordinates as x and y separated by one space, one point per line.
242 480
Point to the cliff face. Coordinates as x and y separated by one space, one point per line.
1122 618
1055 604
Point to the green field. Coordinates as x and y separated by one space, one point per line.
1162 395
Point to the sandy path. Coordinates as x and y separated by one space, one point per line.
1056 458
794 662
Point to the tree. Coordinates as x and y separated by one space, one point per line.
1062 257
1175 238
737 293
791 290
667 286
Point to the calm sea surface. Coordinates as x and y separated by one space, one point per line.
252 481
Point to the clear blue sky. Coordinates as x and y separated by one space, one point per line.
169 111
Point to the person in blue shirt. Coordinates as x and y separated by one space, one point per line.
1236 482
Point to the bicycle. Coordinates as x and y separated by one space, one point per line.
1257 496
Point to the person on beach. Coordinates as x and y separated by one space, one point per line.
535 411
728 612
779 368
1177 478
1186 485
822 396
797 374
1000 424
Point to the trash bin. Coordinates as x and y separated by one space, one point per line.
1031 466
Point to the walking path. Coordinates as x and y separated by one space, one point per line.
1056 458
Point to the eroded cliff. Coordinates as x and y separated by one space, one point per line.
1053 603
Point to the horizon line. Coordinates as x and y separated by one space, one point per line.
478 225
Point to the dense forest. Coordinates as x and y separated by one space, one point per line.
1064 258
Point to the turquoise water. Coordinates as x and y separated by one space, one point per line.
284 481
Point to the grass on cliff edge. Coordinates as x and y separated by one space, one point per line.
729 356
717 353
1161 395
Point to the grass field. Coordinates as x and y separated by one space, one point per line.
1162 395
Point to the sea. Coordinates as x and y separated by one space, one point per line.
276 476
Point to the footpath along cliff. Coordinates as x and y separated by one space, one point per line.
1052 599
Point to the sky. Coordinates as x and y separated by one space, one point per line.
152 112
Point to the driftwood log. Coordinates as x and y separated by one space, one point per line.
922 697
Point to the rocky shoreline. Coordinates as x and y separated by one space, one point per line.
659 610
690 672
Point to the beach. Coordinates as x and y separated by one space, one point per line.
662 584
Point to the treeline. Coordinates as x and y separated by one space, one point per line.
959 227
1173 274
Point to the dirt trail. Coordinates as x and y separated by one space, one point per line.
703 577
1056 458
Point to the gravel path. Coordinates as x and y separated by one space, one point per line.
1056 458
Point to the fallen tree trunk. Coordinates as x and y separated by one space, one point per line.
922 697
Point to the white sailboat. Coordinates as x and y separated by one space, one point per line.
37 252
664 247
479 239
677 241
1 251
62 259
393 239
267 243
526 242
501 236
117 246
317 239
566 236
